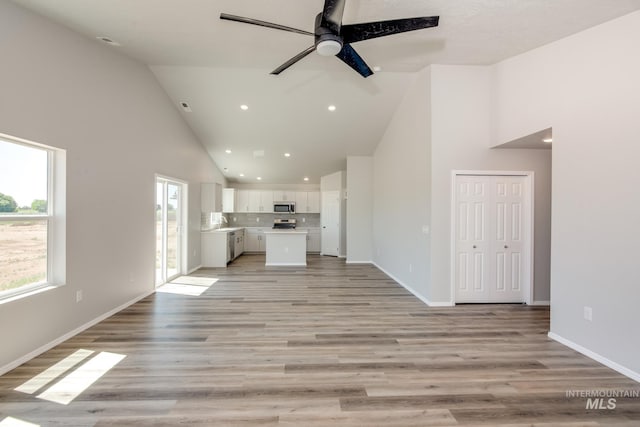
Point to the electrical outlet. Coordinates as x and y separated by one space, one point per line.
78 296
258 219
304 219
425 229
588 313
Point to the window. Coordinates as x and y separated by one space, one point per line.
31 216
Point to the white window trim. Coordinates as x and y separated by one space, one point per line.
55 217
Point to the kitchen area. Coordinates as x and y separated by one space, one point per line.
281 225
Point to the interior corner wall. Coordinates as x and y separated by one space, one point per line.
119 129
402 190
461 105
359 208
586 86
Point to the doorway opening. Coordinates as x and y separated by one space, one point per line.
171 202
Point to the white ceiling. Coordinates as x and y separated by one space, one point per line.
217 65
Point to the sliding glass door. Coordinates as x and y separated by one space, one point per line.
170 215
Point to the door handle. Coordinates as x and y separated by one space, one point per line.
506 247
474 246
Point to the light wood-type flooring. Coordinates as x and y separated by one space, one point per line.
327 345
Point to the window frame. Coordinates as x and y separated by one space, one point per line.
54 217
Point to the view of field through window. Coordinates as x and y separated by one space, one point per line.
23 215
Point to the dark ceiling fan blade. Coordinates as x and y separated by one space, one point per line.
370 30
332 15
293 60
350 57
263 24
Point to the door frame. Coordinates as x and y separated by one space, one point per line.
329 193
184 223
529 200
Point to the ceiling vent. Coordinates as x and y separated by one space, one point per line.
185 107
108 41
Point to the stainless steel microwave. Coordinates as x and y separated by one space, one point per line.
284 207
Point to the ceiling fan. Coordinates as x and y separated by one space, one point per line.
333 38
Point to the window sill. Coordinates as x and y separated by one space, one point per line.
45 287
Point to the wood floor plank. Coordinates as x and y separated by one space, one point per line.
330 344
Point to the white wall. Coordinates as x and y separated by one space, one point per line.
119 129
402 190
359 209
587 87
461 102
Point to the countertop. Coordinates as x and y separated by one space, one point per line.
285 231
222 230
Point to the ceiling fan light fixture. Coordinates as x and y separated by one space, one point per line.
328 47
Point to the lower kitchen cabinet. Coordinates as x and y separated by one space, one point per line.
313 240
214 249
254 239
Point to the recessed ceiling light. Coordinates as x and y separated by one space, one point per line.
331 108
377 68
244 107
287 154
306 178
108 40
227 151
241 174
259 178
548 140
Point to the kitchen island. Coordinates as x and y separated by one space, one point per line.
286 247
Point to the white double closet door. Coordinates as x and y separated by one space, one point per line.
492 227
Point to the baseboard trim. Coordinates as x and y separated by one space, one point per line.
359 262
413 291
547 303
37 352
597 357
194 269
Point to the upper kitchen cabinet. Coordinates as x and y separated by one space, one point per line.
284 196
229 200
261 201
307 202
210 197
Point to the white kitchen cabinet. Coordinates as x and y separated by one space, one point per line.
254 239
210 197
239 247
284 196
261 201
242 201
307 202
313 202
214 249
228 200
313 240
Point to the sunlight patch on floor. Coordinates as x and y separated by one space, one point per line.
14 422
81 379
187 285
69 386
55 371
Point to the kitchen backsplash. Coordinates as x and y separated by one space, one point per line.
266 220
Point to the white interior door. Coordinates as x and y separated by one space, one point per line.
491 239
330 219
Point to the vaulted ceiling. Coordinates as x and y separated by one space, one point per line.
216 66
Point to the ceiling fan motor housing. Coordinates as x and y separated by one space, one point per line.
327 43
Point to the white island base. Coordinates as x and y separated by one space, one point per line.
286 247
